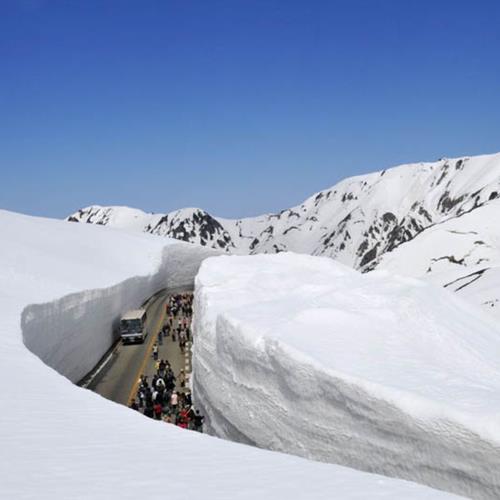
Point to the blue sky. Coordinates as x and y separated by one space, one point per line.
239 107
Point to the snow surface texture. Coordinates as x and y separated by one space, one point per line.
358 221
469 256
63 442
391 375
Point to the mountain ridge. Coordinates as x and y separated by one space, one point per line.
358 221
198 226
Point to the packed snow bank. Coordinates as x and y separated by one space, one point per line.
391 375
60 441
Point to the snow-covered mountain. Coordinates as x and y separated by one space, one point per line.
412 213
355 221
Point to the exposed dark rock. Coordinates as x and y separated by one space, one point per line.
347 197
450 258
443 175
362 248
425 213
446 203
369 256
290 229
464 281
254 243
389 217
328 239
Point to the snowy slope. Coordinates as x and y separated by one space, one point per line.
357 222
461 254
192 225
390 375
62 288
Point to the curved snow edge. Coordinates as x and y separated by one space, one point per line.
303 408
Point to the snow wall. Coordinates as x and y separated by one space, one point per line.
60 441
72 334
302 355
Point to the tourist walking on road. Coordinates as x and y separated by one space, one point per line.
142 397
157 411
174 400
184 418
155 351
198 421
182 379
182 340
148 411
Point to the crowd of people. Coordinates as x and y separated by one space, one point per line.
178 309
166 396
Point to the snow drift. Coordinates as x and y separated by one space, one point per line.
391 375
62 287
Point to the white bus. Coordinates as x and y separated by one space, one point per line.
133 326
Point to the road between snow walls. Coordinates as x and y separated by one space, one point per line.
72 334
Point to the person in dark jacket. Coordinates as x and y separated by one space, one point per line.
198 421
148 411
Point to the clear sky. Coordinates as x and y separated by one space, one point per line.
240 106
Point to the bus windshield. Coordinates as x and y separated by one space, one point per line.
131 325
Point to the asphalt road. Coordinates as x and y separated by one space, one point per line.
118 379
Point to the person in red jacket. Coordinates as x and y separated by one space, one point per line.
157 408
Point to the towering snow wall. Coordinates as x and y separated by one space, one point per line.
71 334
390 375
59 441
